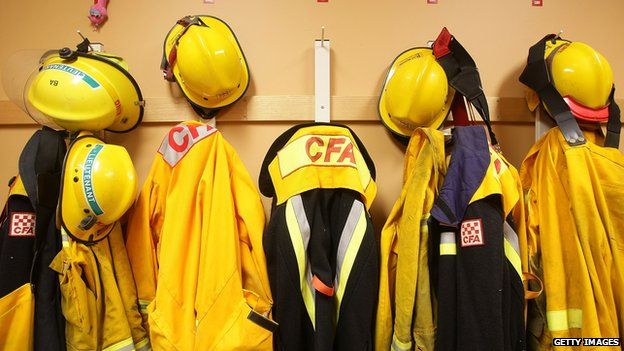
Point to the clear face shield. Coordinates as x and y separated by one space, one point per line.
27 85
18 74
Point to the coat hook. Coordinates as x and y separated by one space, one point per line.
84 38
80 33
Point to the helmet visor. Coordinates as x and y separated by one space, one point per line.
18 74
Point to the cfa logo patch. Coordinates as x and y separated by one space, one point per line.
22 224
472 232
181 139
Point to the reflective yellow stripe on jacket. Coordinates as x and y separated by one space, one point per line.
350 241
448 245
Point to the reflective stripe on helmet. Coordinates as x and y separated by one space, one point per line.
87 181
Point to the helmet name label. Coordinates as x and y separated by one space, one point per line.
181 139
87 180
318 150
75 72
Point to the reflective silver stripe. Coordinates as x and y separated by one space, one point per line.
124 345
302 219
304 228
64 237
345 238
145 347
448 246
512 237
447 238
143 306
126 348
400 346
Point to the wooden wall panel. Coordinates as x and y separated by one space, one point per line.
277 38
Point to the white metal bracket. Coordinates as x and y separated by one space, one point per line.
322 79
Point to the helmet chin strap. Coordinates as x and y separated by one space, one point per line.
536 77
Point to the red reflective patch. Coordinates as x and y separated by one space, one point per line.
432 1
537 2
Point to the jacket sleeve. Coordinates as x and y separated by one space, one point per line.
387 280
414 326
141 239
250 223
125 281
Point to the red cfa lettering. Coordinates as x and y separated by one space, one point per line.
340 146
23 230
347 154
173 143
314 140
332 147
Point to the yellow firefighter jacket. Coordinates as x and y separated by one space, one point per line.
404 251
17 307
194 240
575 236
99 299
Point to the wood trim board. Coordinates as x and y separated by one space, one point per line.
283 108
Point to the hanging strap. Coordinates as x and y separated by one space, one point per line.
536 77
39 167
614 125
463 75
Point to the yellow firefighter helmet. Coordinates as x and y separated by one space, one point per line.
202 54
582 76
416 93
99 185
77 90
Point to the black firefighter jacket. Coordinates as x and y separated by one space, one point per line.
321 251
